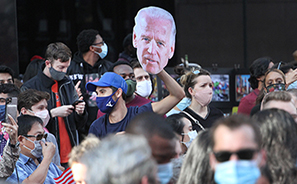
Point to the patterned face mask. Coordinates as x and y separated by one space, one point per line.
275 87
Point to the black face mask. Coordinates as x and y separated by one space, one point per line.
56 75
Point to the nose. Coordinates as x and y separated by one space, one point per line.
152 47
233 157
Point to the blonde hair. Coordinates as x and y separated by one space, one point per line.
86 145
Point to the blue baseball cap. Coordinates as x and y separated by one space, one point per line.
108 79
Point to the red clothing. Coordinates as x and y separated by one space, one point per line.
248 102
137 101
65 145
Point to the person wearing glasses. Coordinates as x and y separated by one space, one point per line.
34 103
236 155
88 65
34 164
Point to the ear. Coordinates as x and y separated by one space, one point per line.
144 180
119 93
47 63
171 52
24 110
21 140
191 91
212 161
263 158
134 40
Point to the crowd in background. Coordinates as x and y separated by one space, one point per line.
80 118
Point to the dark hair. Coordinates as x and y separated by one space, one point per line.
25 123
58 50
196 167
176 122
188 80
234 122
10 89
6 69
279 135
85 39
119 63
257 69
31 97
127 40
150 124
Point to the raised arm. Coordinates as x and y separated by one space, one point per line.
176 93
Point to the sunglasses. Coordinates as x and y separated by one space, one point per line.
38 136
244 154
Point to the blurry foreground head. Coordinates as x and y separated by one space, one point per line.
120 159
236 155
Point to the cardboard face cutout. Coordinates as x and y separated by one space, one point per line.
153 39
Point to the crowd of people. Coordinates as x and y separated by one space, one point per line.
84 119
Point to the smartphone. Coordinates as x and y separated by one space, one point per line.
11 109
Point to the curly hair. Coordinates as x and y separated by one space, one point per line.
257 69
279 139
85 39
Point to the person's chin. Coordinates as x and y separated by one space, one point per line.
152 68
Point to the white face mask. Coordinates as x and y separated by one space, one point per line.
43 115
144 88
192 135
104 51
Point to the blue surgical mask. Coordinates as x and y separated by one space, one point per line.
2 113
104 51
165 172
237 172
106 104
293 85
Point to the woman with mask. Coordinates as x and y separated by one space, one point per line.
183 127
198 87
257 71
274 80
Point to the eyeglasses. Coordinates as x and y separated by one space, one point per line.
244 154
102 43
38 136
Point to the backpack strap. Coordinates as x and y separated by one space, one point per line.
195 120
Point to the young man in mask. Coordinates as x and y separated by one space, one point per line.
111 93
124 69
236 150
88 65
34 103
66 115
34 164
144 86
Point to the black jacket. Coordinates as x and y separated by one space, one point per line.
78 70
67 95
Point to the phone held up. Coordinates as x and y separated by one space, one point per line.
10 108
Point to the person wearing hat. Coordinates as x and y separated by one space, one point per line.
111 92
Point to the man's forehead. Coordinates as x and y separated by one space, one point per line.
3 95
140 72
227 139
286 106
150 24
